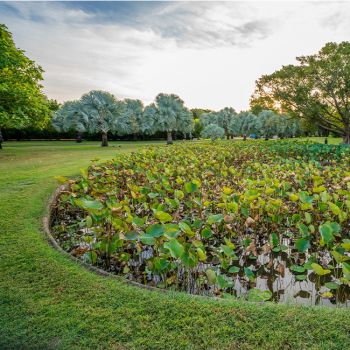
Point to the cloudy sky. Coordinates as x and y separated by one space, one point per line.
209 53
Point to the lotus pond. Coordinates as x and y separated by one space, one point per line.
261 220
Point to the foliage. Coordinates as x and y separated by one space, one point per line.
172 115
206 217
22 102
100 111
224 117
96 112
266 123
213 131
317 89
133 115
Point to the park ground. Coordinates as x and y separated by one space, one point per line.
47 301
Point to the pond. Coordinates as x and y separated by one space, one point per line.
253 220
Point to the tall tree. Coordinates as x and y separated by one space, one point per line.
224 117
71 117
133 113
172 115
149 120
104 114
209 118
317 89
96 112
22 102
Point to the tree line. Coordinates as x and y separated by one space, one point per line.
266 123
313 95
101 112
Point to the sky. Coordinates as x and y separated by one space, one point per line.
208 53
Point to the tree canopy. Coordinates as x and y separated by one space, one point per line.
99 111
96 112
172 115
22 102
317 89
213 131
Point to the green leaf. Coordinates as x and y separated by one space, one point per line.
88 221
211 276
346 268
304 230
190 187
332 285
249 273
326 233
162 216
339 258
89 204
305 198
274 239
302 244
301 277
148 240
201 254
297 268
215 219
222 282
131 235
308 218
186 228
138 221
175 247
179 194
346 244
320 270
234 269
227 250
334 208
207 233
258 295
171 230
155 230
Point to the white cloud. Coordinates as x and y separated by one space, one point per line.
208 53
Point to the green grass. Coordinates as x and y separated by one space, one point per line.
48 301
331 140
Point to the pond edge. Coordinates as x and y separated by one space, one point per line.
47 219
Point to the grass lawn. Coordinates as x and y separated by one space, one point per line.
331 140
48 301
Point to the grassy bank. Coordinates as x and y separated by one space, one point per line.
49 302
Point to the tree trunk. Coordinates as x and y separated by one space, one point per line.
346 138
169 140
104 139
1 139
78 138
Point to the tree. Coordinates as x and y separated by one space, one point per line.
235 125
71 117
213 131
22 102
133 116
249 123
224 116
317 89
96 112
149 120
197 112
172 115
104 114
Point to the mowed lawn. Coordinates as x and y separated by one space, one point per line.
48 301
